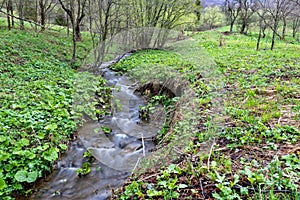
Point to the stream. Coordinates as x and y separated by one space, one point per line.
116 154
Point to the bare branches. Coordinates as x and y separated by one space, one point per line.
273 12
248 8
232 10
29 21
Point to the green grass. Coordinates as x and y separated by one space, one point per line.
250 148
236 137
36 97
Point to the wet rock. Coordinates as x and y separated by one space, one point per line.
134 146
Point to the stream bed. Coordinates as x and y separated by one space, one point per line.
116 154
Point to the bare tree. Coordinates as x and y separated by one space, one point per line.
76 13
163 14
105 18
261 11
21 11
287 8
45 6
274 9
248 8
295 21
296 2
232 9
295 17
10 13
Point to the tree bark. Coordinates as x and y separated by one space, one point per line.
8 9
283 29
260 33
12 14
68 24
243 28
75 19
231 26
296 23
21 14
274 32
77 32
74 45
42 14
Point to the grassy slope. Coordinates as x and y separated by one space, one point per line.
36 89
255 150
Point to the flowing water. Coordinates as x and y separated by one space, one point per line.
116 154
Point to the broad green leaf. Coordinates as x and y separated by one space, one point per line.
30 155
63 146
31 177
51 155
21 176
41 135
2 138
24 142
24 176
4 155
2 184
51 127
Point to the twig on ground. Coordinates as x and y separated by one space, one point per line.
200 181
179 151
278 122
262 191
152 175
136 164
164 138
210 152
143 143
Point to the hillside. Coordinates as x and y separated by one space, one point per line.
242 140
36 97
229 115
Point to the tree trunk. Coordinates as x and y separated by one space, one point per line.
77 32
68 25
259 35
295 26
231 26
12 14
243 28
36 14
264 31
8 17
283 29
74 43
274 33
42 14
74 48
21 14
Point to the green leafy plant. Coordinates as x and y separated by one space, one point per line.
84 170
106 129
25 176
37 115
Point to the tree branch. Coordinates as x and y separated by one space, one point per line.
29 21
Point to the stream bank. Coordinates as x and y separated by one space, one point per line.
115 153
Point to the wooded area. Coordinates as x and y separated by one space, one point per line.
106 18
150 99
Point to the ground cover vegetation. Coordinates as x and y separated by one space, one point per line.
37 117
238 138
254 153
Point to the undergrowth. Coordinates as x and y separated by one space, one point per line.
253 150
37 114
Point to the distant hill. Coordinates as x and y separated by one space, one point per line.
208 3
